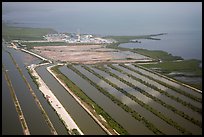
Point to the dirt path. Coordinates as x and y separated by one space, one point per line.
55 103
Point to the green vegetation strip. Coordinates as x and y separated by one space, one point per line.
189 105
17 104
126 39
49 123
78 92
34 44
166 85
185 66
146 106
23 33
173 109
134 114
33 77
157 54
188 66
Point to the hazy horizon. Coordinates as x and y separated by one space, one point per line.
112 18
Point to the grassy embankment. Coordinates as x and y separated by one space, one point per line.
173 109
164 84
194 108
157 54
185 66
146 106
33 77
30 45
91 104
134 114
126 39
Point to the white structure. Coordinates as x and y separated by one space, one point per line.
76 38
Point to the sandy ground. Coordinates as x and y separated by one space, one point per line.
87 54
61 111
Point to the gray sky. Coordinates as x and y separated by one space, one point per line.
144 15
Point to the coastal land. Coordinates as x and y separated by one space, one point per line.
110 58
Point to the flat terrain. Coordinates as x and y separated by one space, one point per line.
128 98
88 54
168 110
187 71
23 33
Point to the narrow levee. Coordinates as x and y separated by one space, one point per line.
24 59
19 111
10 122
131 104
86 123
157 121
196 115
55 103
174 85
167 81
131 125
162 108
33 116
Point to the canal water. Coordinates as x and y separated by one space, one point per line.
159 123
174 84
23 60
10 121
172 102
188 45
79 115
167 112
126 100
185 89
191 80
129 123
176 105
33 116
